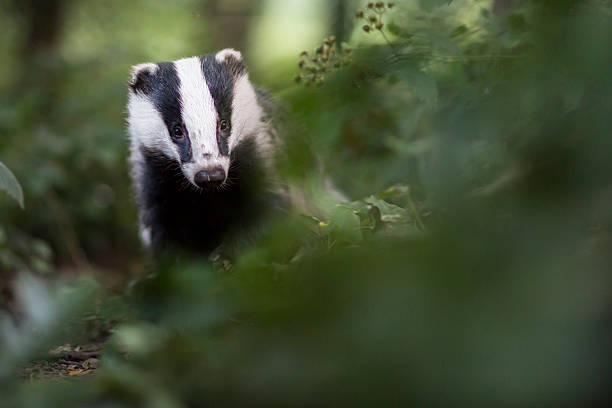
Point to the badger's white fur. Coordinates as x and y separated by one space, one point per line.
200 117
178 119
222 55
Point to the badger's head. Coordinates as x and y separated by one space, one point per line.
194 111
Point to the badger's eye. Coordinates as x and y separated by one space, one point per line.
178 133
224 126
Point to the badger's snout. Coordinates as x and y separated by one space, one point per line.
212 177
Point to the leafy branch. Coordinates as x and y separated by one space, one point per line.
373 17
326 58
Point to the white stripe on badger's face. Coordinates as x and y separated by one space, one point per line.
146 125
246 112
200 118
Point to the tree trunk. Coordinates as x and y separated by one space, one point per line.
44 20
229 22
339 16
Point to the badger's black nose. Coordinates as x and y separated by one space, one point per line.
210 177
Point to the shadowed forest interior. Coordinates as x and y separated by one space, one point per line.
468 265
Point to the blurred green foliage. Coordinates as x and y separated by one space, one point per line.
10 185
471 266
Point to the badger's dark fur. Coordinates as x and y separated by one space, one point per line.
202 153
200 220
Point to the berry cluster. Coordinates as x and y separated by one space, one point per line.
327 57
373 15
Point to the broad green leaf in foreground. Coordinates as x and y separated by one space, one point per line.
10 185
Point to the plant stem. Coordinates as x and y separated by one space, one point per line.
415 212
389 43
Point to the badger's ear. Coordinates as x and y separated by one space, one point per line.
232 59
140 80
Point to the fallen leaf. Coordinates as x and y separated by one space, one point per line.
79 372
90 363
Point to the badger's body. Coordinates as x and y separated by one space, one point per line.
202 153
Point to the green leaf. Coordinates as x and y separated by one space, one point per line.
396 221
393 191
345 225
10 185
459 31
390 213
311 220
369 217
381 218
399 31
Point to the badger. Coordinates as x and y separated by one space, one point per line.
202 153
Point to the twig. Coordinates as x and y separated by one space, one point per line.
389 43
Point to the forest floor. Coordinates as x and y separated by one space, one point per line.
66 361
73 360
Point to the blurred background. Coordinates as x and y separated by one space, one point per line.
469 267
63 80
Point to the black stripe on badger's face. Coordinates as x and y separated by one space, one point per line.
220 82
166 96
